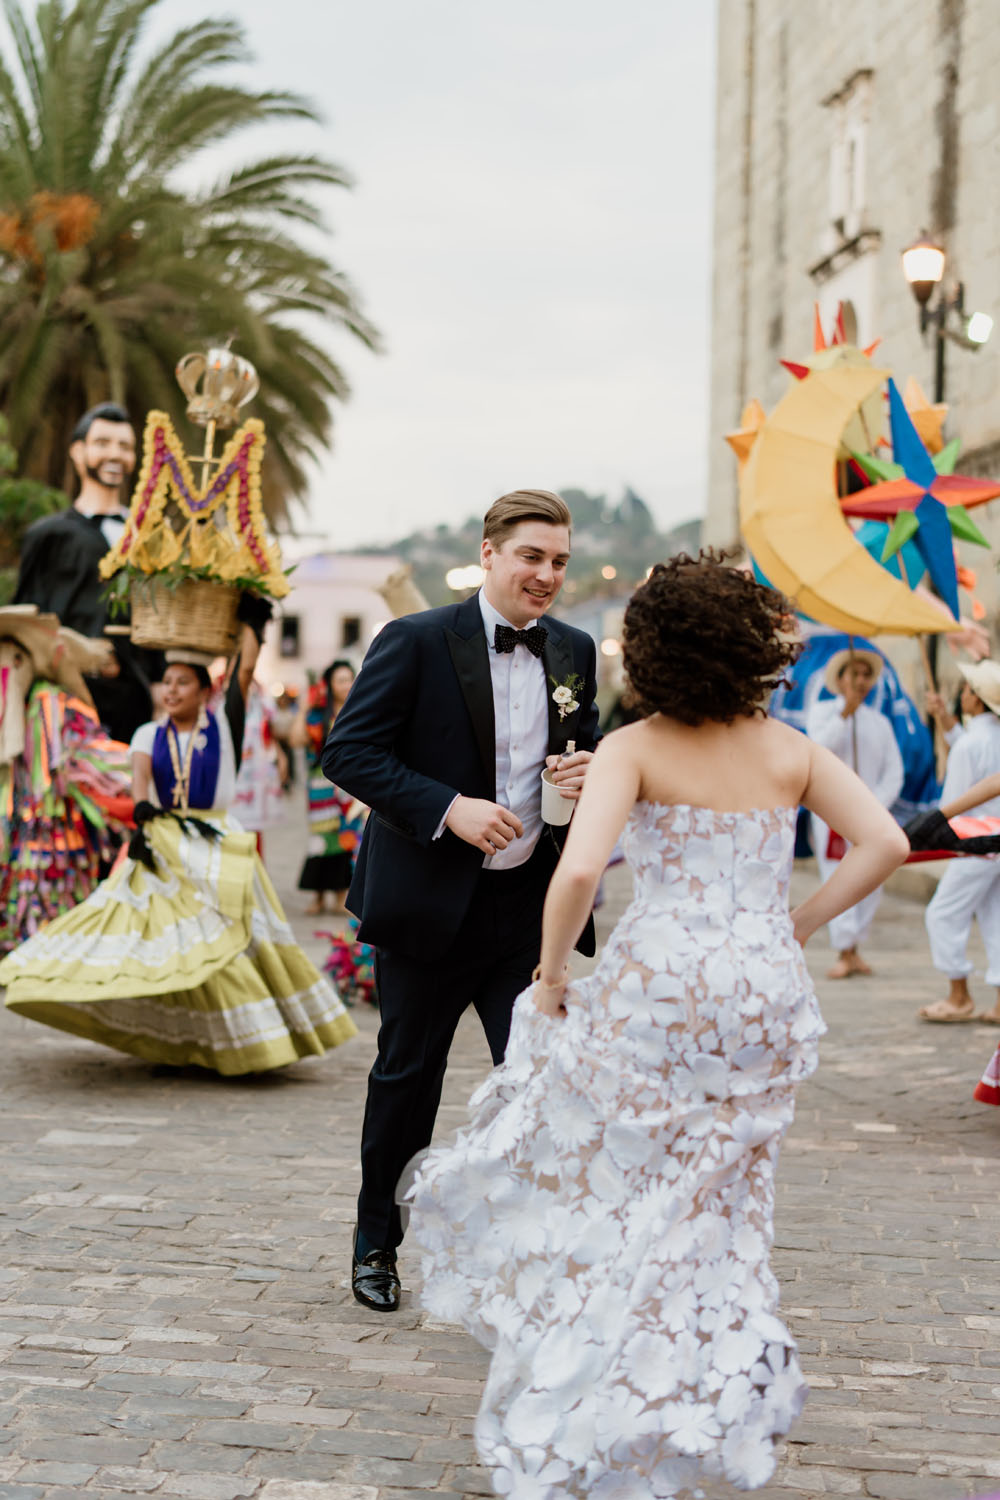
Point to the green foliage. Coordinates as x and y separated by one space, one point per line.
109 270
22 501
119 591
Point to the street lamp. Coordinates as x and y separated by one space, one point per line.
460 579
923 266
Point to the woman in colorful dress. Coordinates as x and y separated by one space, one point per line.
64 785
183 955
334 834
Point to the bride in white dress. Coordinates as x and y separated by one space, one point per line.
604 1222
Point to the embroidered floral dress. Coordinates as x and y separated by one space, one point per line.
258 800
64 804
186 958
604 1222
334 833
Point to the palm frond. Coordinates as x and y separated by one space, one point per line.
110 269
32 71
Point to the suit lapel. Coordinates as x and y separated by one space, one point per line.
557 659
471 659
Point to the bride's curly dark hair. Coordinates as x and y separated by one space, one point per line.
704 641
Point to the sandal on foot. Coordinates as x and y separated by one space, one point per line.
988 1018
946 1014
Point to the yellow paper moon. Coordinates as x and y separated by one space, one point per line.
791 519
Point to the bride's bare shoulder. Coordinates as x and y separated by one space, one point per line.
779 741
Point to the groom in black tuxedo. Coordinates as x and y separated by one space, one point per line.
446 731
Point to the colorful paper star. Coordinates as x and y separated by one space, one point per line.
928 419
742 440
925 501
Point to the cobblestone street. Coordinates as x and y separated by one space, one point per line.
176 1319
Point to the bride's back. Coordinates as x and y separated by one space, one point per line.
738 767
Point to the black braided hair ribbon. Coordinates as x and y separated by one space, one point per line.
145 812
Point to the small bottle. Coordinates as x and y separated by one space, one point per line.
570 749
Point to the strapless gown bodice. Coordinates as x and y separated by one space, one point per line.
712 864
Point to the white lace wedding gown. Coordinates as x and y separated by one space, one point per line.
604 1222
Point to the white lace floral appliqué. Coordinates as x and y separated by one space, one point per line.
604 1222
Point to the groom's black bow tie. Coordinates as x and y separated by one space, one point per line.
506 638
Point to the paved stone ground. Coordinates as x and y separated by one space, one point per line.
175 1318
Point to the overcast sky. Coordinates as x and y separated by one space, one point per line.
530 231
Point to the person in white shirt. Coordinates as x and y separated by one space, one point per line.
861 737
969 887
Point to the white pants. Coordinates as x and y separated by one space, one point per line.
968 888
850 929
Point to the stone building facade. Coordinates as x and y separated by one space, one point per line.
842 131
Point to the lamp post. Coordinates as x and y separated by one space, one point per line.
923 266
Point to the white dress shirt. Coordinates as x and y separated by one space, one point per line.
974 753
879 763
521 712
112 524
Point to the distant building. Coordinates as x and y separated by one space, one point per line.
842 132
333 610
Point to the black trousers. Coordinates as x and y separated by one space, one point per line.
421 1003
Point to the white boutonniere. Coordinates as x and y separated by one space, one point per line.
564 694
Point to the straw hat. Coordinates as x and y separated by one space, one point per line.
401 593
838 661
37 633
73 656
983 678
59 655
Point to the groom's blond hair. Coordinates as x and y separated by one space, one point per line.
524 505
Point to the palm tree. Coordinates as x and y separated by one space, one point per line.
110 269
22 501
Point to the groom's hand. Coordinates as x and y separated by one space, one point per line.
568 771
486 825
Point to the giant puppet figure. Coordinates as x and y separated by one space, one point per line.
59 566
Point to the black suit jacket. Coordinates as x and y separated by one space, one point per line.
417 728
58 572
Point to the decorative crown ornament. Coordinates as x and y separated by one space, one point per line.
216 383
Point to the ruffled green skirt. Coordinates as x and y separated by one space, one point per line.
191 963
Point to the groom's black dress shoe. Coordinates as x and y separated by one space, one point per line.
374 1280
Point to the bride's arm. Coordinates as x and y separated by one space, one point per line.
611 788
878 844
